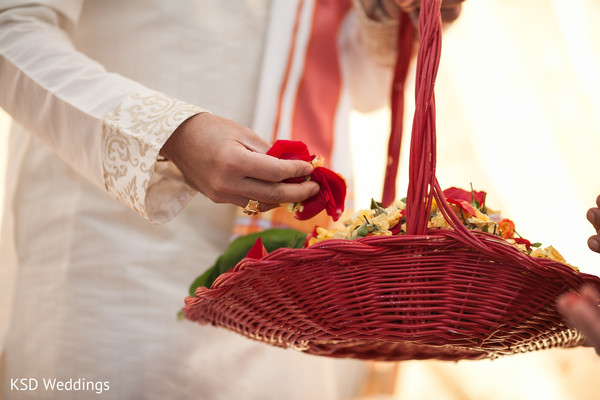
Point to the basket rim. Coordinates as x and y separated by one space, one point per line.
542 266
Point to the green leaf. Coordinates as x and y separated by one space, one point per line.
473 202
462 216
375 204
362 231
238 249
536 244
517 233
377 207
483 208
207 278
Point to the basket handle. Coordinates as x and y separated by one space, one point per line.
423 186
422 162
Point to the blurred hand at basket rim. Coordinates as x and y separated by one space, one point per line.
582 310
450 9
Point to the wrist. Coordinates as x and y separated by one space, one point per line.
174 142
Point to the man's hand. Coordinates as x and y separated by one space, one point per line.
450 9
583 312
227 162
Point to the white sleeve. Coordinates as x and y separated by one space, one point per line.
106 126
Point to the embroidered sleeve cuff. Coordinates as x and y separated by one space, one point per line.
133 135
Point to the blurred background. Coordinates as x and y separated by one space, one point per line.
519 117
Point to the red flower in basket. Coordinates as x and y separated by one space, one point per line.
332 195
464 199
465 195
258 250
506 228
520 240
398 227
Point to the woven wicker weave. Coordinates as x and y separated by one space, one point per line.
394 298
448 294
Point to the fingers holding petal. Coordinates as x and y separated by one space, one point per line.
271 169
276 193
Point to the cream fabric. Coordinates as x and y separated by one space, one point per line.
90 288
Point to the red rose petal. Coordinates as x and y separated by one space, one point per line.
331 197
398 227
524 241
314 234
461 194
290 150
310 207
257 251
464 205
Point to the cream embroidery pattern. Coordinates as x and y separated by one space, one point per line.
133 134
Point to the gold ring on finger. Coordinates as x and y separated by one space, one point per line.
252 208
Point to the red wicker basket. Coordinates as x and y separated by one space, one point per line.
394 298
447 294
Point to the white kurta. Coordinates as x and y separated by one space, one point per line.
90 289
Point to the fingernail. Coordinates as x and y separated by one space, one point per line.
569 299
315 190
308 169
594 244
